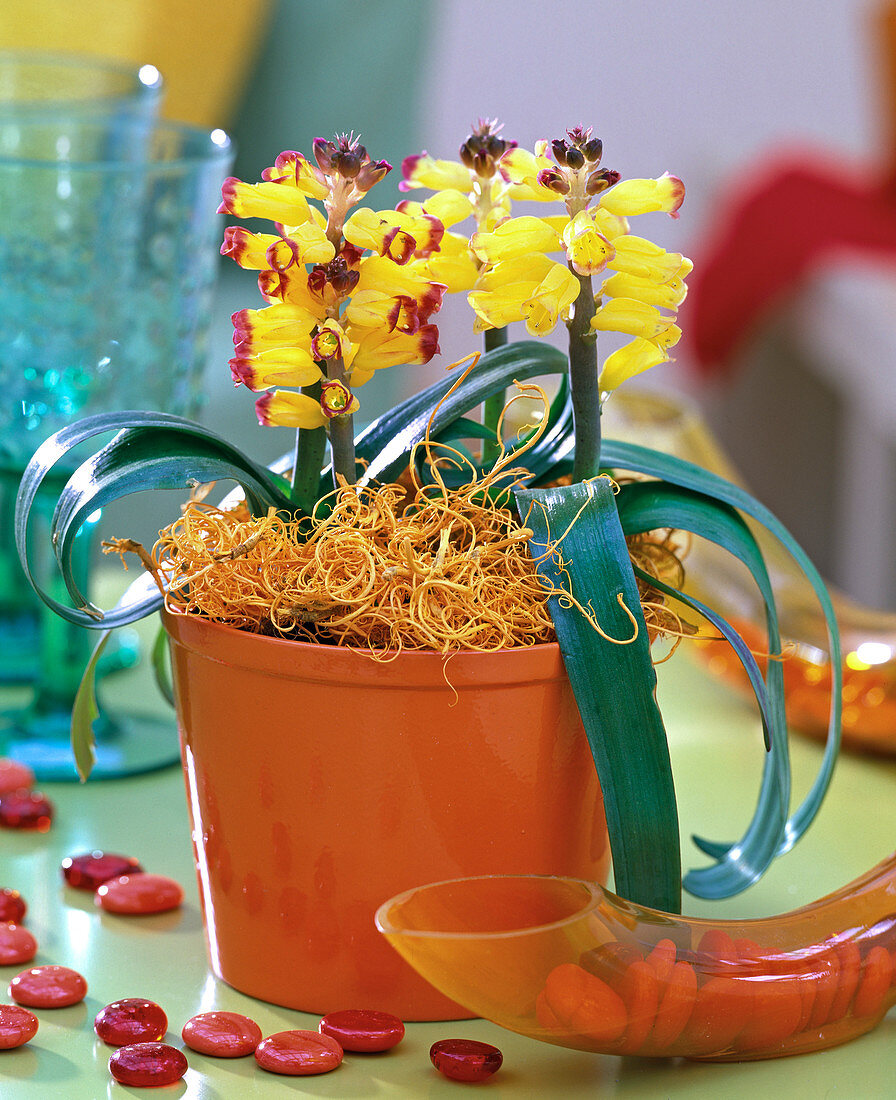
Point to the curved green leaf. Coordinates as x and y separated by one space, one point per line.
386 444
737 643
150 450
630 456
649 505
613 683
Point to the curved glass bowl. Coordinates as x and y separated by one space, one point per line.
567 962
868 636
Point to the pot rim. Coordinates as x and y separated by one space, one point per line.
305 661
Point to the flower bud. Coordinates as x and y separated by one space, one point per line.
593 150
323 153
559 148
347 163
575 158
600 180
554 179
372 172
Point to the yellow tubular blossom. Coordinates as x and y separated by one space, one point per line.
349 295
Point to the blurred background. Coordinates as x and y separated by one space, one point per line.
726 96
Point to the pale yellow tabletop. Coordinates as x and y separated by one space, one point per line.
717 757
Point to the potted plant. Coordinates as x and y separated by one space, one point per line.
361 704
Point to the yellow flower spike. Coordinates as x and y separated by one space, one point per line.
436 175
668 295
264 200
646 260
636 357
630 197
515 237
284 366
291 169
630 316
289 410
586 249
532 288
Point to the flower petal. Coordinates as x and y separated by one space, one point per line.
630 197
635 357
630 316
291 410
516 237
291 366
264 200
436 175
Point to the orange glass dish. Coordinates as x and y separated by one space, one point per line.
566 961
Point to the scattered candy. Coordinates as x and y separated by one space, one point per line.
17 1026
17 945
23 809
363 1030
130 1020
139 893
14 776
91 870
465 1059
298 1053
222 1034
148 1065
48 987
12 905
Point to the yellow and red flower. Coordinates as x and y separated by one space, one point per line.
347 295
520 282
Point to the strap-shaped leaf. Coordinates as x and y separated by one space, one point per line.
151 450
648 505
735 640
613 683
630 456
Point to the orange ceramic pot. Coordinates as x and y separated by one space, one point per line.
321 782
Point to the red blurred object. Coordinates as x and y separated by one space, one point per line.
798 216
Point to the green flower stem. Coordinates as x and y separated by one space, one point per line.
494 404
311 444
583 383
341 430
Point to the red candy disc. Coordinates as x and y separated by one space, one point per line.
17 945
48 987
222 1034
298 1053
363 1030
12 905
139 893
17 1026
148 1064
25 810
131 1020
14 776
88 871
465 1059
